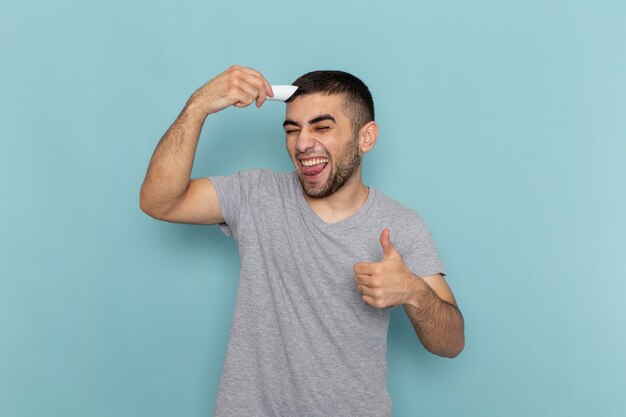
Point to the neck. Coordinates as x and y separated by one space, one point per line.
343 203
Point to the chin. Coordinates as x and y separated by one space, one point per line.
320 189
315 193
313 190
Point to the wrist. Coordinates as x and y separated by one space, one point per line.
416 291
193 109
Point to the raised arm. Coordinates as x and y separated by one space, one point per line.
167 192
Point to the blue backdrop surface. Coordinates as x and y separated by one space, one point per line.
502 123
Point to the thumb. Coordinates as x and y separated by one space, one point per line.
385 242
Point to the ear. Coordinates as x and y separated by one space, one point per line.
367 136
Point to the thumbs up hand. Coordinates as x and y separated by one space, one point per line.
387 283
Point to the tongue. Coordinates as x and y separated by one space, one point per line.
313 170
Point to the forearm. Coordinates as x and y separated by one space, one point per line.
170 168
438 324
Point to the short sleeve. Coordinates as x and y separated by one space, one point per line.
233 193
422 257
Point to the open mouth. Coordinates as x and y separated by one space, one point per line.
313 166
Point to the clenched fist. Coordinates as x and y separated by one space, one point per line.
387 283
237 86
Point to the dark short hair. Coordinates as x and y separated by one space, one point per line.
358 101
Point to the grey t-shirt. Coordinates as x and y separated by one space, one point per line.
303 343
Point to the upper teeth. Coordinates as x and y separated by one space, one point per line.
311 162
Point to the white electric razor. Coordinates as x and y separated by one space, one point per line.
282 92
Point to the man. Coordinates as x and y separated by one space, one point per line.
322 255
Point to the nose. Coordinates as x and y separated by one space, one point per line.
305 141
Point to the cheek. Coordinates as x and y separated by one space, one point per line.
330 148
290 146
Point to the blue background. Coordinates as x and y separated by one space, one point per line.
502 123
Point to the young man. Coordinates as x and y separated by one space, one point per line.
322 255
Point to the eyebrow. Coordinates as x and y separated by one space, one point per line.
312 121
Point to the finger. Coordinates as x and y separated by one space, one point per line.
259 87
364 268
266 85
268 89
241 77
373 302
385 242
364 280
243 98
241 104
244 92
249 84
365 290
367 299
250 71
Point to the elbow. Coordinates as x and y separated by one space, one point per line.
456 349
450 350
148 207
144 203
458 345
143 206
451 344
457 341
159 203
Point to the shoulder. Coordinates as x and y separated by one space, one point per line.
406 222
394 210
261 181
270 179
256 176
